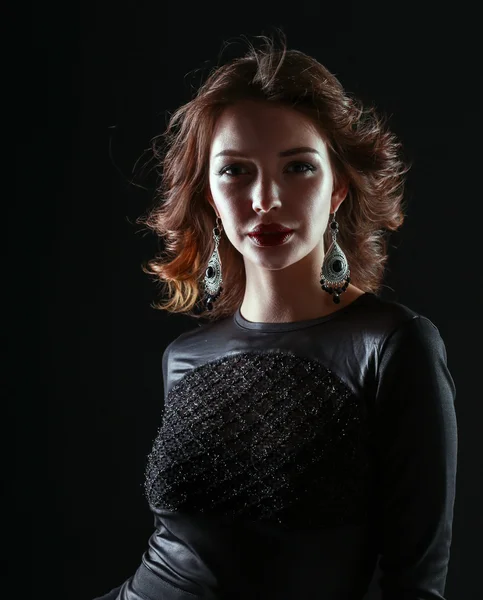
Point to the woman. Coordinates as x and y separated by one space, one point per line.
309 427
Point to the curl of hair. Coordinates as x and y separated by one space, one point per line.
362 151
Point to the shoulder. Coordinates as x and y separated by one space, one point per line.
196 341
412 371
396 334
408 345
390 320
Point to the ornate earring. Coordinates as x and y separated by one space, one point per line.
335 268
213 278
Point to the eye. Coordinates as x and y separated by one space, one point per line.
306 166
225 170
300 167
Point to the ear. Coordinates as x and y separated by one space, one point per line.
339 194
209 197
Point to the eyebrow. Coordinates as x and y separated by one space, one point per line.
290 152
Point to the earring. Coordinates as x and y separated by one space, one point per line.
213 278
335 268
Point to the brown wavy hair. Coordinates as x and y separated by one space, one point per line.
362 151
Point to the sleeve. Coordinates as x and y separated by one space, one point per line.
165 369
416 459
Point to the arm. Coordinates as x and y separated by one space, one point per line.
416 458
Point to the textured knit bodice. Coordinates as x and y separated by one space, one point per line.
263 435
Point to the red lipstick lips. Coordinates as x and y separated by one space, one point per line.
270 234
269 228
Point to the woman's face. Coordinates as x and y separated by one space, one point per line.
268 163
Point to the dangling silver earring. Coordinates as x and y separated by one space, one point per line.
213 278
335 268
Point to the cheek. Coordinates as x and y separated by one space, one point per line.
231 203
235 219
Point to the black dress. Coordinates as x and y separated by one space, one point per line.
294 456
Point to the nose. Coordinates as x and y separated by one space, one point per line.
265 195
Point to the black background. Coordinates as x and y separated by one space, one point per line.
91 85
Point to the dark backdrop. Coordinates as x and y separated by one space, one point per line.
92 84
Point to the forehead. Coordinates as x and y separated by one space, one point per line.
251 126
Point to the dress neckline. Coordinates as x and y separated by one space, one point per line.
240 320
